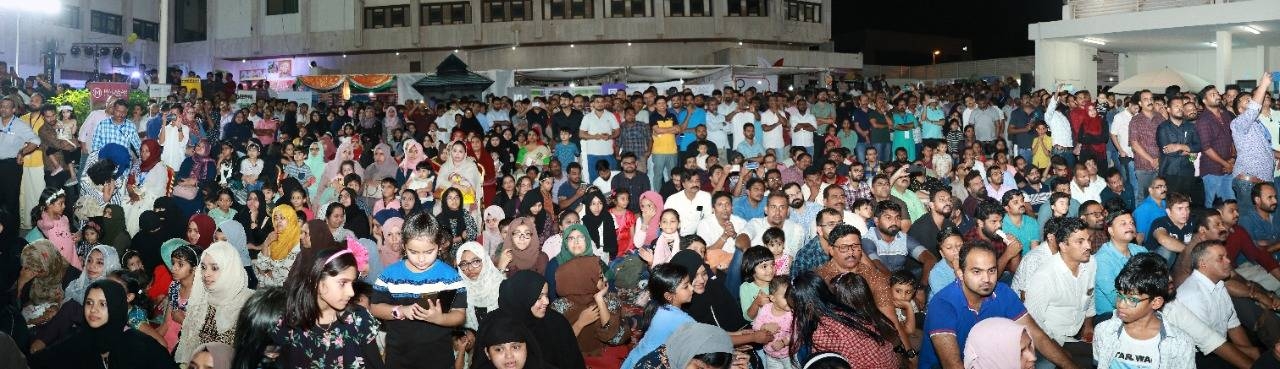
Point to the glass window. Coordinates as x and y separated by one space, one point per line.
506 10
568 9
803 11
748 8
278 7
386 16
146 30
70 17
102 22
447 13
629 9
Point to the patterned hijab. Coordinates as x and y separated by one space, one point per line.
110 262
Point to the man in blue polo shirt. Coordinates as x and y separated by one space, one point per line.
1261 221
1151 208
750 205
974 296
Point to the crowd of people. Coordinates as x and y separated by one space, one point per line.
962 225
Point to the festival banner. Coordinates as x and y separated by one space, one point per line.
245 98
100 92
194 84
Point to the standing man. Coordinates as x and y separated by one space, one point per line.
1020 125
1120 139
17 140
569 118
1178 141
117 129
633 180
691 116
1142 138
988 124
774 122
598 130
1256 162
1214 128
33 166
803 126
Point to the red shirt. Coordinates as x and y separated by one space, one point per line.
1239 241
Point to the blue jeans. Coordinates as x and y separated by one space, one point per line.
1025 153
861 150
662 166
1130 178
884 149
1219 187
1144 180
1243 190
591 165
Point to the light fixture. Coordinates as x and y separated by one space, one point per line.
344 55
571 84
739 43
966 48
242 61
791 88
759 82
570 45
937 52
455 51
371 95
1094 41
513 47
1253 30
135 75
397 53
628 44
1212 43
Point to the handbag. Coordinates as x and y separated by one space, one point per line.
185 191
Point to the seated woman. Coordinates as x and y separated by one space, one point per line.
595 313
849 325
45 275
694 345
521 241
670 288
216 301
106 341
522 299
508 345
281 247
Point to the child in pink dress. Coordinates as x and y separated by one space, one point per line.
776 317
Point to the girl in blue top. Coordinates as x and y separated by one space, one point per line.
669 288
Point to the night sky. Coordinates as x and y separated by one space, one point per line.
998 28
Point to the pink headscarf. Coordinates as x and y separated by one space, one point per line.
413 155
995 343
651 228
345 152
389 254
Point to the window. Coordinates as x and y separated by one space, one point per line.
278 7
189 20
104 23
568 9
506 10
748 8
146 30
628 9
70 17
804 11
446 13
689 8
386 16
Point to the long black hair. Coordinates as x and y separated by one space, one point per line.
854 308
47 197
303 288
663 279
134 284
261 313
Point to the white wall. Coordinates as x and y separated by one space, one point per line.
231 18
1247 63
1065 62
326 15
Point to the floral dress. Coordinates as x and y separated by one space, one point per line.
272 273
341 344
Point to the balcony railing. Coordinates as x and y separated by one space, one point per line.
1093 8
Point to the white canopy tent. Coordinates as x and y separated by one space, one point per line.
1158 80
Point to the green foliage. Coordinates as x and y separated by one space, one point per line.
138 98
78 99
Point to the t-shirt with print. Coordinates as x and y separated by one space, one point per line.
1134 353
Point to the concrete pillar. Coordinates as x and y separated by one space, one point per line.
304 23
165 24
415 22
1222 69
1065 62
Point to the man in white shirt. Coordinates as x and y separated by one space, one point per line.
744 113
722 230
692 203
776 213
445 122
1062 300
598 130
717 128
1204 293
803 126
1120 138
1086 186
773 121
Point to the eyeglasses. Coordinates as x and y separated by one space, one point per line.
473 264
522 235
1130 300
576 238
847 248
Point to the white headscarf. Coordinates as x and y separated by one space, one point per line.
483 291
110 262
227 295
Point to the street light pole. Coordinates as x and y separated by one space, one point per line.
935 56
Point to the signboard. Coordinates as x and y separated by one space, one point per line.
612 88
252 74
158 91
100 92
193 84
280 69
245 98
300 97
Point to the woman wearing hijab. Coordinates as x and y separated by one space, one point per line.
599 223
213 355
355 216
481 278
491 236
413 155
233 233
315 162
651 207
175 224
534 207
148 239
455 218
215 301
195 171
110 164
200 230
255 220
574 243
41 298
152 179
102 261
315 238
461 171
522 242
383 166
391 244
706 344
712 304
331 169
281 249
595 313
106 341
508 345
999 343
114 230
523 299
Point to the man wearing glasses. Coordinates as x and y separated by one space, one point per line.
1139 335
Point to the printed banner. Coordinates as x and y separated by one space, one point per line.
100 92
158 91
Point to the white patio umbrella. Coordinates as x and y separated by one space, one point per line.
1158 80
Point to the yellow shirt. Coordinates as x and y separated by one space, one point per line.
665 143
36 158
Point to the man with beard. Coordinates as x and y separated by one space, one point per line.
925 230
1086 186
1261 222
901 182
977 295
977 192
1209 228
800 211
1261 268
1036 190
830 176
833 197
1017 223
1094 216
989 218
776 211
996 186
1151 208
633 180
1171 233
1111 258
817 251
750 205
1178 142
1061 301
1214 128
813 184
890 248
1115 188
